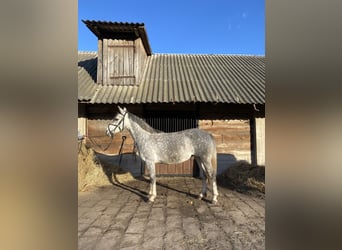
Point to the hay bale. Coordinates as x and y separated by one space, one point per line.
243 175
89 169
91 172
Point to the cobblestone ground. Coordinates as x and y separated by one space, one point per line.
119 217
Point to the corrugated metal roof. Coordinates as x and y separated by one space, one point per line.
87 68
203 78
191 78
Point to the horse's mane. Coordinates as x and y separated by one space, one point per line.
143 124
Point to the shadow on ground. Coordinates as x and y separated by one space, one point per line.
239 176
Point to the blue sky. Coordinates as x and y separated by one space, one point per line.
183 26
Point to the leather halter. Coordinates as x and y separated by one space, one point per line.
117 125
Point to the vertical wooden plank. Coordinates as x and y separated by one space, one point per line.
178 169
160 168
105 62
186 165
127 51
117 61
120 61
113 57
110 61
164 169
99 61
131 62
157 166
192 166
136 60
125 63
127 66
183 167
171 169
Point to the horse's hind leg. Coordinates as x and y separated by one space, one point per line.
214 172
210 169
204 179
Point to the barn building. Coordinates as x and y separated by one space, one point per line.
223 94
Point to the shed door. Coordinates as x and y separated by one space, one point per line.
173 121
121 62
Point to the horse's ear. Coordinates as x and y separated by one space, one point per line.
122 111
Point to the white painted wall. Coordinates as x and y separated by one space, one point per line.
260 140
82 125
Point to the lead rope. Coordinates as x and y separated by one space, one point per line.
120 151
98 145
110 143
80 141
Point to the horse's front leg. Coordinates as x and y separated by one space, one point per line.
150 192
204 186
153 187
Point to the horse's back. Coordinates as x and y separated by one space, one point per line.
199 134
203 141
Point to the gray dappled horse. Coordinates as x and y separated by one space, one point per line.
170 148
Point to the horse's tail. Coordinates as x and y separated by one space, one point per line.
214 166
214 163
214 157
211 173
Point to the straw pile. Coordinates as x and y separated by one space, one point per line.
91 172
244 177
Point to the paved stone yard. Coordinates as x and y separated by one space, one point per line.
119 217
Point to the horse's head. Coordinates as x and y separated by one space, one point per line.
118 123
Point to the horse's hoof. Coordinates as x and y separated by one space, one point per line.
214 202
151 199
201 195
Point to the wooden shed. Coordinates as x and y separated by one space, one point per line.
223 94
